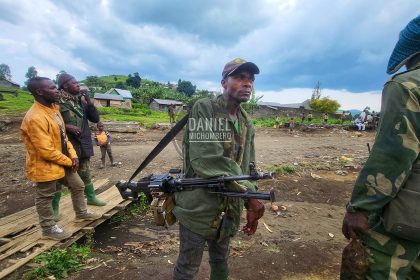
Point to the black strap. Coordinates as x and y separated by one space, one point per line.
161 145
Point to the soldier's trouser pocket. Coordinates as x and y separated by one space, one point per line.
402 215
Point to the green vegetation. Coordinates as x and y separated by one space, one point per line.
282 169
134 209
60 262
16 104
272 122
139 113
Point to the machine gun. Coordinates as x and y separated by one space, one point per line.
174 181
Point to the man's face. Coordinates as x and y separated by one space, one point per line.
72 87
239 85
48 91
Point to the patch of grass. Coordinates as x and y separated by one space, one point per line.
132 210
272 122
60 262
283 169
16 104
140 113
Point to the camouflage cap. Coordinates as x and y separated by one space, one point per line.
239 64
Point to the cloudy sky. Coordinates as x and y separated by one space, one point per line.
343 44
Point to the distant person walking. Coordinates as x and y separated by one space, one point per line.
103 140
171 113
50 157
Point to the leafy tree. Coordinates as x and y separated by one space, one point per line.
133 81
324 105
115 78
94 81
120 85
58 75
31 73
186 87
5 71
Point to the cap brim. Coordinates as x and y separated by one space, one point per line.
247 66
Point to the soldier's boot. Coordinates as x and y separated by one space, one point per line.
218 272
91 196
56 205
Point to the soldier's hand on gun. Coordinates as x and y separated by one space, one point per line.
74 130
255 210
354 225
75 165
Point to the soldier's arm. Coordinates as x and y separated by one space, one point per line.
396 148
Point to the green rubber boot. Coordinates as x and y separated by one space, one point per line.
56 205
219 272
91 196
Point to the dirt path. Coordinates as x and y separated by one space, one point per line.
302 242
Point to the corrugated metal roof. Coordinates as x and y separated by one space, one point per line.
123 92
108 96
304 104
10 81
167 101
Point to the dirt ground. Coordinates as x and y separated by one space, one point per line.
301 241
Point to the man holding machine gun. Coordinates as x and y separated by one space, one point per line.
218 141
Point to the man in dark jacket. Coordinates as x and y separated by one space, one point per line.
77 109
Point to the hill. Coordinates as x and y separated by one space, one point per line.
16 104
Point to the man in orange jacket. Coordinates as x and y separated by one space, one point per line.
50 157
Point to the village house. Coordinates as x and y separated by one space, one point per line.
163 104
5 83
119 98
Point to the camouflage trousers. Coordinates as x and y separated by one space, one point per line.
391 257
84 170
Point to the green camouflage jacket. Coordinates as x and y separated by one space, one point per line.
396 147
209 151
77 112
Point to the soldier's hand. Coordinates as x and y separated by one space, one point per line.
75 165
255 210
85 95
74 130
354 225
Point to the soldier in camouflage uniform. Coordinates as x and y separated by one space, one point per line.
76 114
219 140
393 165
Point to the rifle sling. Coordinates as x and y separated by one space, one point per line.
161 145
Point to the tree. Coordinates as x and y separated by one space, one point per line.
186 87
324 105
316 93
5 71
94 81
31 73
133 81
58 75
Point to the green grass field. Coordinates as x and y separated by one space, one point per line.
13 105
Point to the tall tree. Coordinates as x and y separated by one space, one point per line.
186 87
5 71
32 73
133 81
316 93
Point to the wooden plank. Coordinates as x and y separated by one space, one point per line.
33 241
20 221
